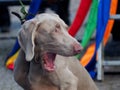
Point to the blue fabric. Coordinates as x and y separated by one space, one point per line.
103 16
92 74
34 7
14 50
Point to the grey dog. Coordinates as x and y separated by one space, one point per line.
46 59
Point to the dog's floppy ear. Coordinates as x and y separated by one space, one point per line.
26 38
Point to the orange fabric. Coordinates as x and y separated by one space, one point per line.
88 55
11 60
113 10
90 51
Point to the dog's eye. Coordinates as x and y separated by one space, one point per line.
57 28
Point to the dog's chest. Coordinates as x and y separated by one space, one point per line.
43 83
44 87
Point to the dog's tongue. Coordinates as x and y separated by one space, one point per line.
49 59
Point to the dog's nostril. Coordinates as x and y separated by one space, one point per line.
77 47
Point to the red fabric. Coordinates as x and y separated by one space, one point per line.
11 66
80 16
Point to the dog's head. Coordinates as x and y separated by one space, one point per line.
48 34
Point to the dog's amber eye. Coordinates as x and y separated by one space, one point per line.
56 30
57 26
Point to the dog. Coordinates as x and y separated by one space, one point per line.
46 59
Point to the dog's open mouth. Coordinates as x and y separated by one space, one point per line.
49 59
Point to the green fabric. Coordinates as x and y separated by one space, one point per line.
91 24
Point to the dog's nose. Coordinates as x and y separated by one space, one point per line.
77 48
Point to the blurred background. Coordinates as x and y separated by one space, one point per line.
10 25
